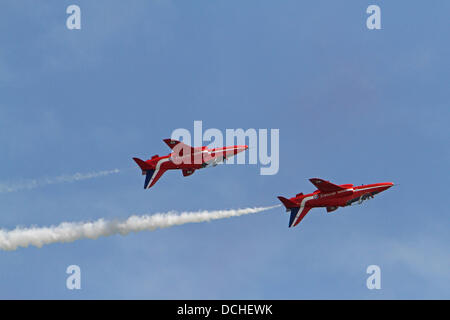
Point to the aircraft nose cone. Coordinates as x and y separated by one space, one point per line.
388 185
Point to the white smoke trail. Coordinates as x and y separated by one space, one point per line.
71 231
32 184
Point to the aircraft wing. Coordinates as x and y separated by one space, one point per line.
325 186
179 147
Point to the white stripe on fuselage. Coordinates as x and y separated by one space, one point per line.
158 165
302 206
306 199
362 189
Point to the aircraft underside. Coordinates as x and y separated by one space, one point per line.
360 199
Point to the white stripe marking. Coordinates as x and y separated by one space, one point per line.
356 190
158 165
302 206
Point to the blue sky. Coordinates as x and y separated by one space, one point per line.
352 105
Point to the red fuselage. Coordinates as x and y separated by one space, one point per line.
185 158
330 196
341 198
200 158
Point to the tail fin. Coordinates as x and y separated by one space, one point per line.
291 207
143 165
288 203
148 178
147 170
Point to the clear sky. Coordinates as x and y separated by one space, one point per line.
353 106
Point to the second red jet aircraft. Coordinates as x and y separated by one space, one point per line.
330 196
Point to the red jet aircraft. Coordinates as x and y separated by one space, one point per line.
186 158
330 196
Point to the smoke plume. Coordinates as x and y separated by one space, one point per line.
36 183
71 231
